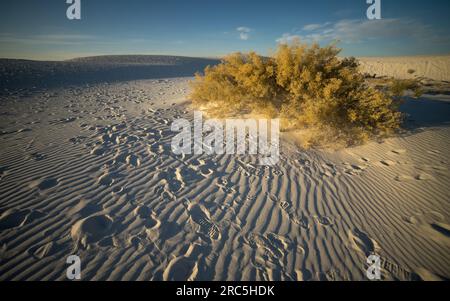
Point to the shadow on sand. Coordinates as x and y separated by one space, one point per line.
422 113
25 74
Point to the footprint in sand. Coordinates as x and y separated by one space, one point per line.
120 157
160 149
37 156
201 217
186 267
280 242
126 158
250 169
202 167
128 139
387 163
329 170
91 229
152 135
117 189
109 139
3 171
137 241
187 176
44 184
302 221
99 151
354 169
225 185
419 177
106 179
163 192
362 243
332 275
398 151
181 269
172 180
271 245
148 216
289 210
441 228
45 250
77 139
424 177
277 172
324 220
391 271
14 218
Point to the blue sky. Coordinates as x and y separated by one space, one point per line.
40 30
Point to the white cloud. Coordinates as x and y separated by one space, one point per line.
287 38
244 32
349 31
243 29
310 27
244 36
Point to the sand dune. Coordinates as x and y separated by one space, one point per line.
25 74
430 67
88 170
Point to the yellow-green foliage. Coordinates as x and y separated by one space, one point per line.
242 81
306 86
398 87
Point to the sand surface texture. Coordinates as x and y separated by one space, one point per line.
88 170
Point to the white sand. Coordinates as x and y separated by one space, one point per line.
430 67
89 171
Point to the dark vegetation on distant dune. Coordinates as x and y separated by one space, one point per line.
25 74
309 88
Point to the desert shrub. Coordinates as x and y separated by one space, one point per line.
398 87
242 81
308 87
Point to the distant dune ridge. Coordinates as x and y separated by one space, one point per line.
430 67
18 74
155 60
